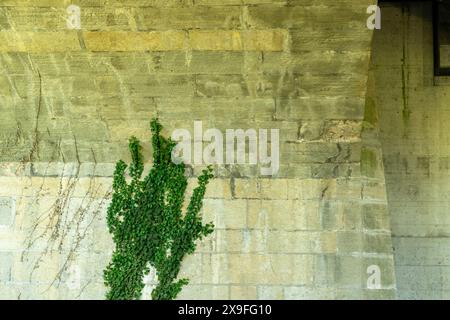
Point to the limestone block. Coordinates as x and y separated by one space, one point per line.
378 243
284 214
246 188
10 240
274 188
349 242
258 40
218 188
307 189
270 293
375 217
324 270
26 41
349 272
296 17
259 269
7 211
37 267
301 242
204 292
5 268
8 292
134 41
191 268
341 215
225 213
383 294
243 292
308 293
197 17
374 190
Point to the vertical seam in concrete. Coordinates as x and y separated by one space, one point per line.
81 40
405 73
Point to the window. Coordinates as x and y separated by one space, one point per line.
441 22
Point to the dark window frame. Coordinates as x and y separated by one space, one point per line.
438 71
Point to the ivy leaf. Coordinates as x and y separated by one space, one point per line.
147 224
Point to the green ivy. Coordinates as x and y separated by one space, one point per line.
147 224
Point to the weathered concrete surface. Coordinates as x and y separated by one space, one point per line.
71 99
413 114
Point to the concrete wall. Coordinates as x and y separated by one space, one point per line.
413 117
70 100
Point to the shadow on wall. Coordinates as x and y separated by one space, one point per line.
414 137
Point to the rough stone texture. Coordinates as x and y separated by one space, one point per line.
413 115
7 211
70 100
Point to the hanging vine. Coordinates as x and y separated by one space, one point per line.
147 224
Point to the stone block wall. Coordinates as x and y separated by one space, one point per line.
71 99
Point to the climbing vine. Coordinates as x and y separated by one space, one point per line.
147 222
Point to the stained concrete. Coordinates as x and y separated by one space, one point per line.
413 118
